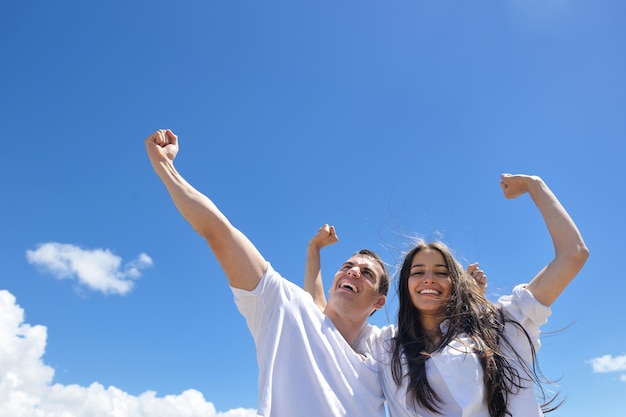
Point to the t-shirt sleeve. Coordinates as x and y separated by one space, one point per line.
253 304
258 305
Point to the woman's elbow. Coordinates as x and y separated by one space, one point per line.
579 255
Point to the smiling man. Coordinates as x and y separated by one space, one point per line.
311 363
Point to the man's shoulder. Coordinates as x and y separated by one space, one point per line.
270 280
371 336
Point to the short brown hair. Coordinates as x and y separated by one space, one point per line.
383 285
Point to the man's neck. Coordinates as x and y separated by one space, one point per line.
349 329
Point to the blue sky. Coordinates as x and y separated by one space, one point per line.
385 119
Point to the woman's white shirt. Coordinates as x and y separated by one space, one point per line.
455 373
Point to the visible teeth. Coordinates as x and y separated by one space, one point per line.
349 286
429 291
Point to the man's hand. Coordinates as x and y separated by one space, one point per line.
325 236
162 144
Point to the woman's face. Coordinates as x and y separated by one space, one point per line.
429 283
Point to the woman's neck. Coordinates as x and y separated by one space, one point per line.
432 331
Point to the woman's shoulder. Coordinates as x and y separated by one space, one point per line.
523 306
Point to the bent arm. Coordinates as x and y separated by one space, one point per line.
313 283
241 261
570 250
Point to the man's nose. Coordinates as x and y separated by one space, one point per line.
354 271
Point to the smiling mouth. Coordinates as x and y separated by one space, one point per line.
349 286
427 291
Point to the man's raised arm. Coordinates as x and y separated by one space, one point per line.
241 261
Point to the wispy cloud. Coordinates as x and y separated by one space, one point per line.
96 269
609 363
26 387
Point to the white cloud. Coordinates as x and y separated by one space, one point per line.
26 388
608 363
97 269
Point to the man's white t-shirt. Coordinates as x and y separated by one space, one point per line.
306 367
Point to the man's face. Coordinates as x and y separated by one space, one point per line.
356 285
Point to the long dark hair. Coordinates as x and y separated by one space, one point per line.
470 313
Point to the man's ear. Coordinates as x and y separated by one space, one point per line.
382 299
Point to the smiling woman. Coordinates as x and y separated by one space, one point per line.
454 352
430 287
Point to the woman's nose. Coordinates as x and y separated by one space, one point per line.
429 276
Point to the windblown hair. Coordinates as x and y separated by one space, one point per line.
470 313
